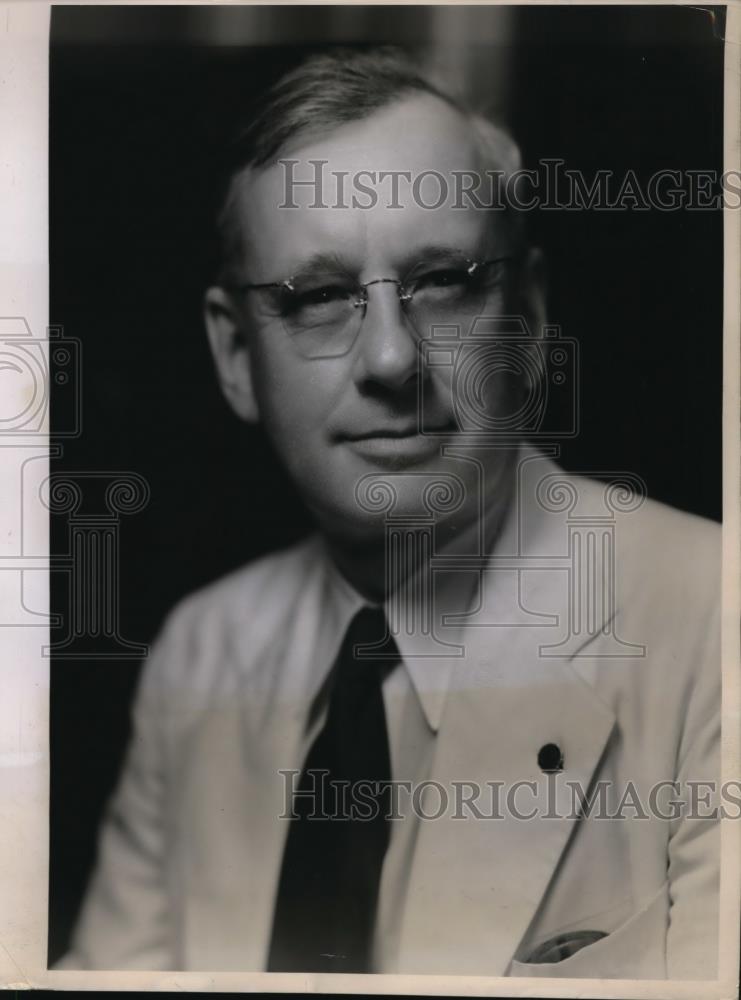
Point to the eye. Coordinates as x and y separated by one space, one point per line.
316 296
448 277
320 296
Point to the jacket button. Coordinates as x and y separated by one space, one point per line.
550 759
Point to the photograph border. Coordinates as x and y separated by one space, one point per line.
24 707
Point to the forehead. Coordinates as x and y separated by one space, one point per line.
409 139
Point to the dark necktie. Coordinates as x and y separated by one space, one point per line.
328 889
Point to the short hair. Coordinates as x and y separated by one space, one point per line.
329 90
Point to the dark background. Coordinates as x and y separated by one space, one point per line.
142 100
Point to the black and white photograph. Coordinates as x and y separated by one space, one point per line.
374 516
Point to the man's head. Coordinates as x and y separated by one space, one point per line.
328 350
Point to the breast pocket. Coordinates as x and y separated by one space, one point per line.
634 950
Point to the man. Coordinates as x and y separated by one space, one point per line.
470 627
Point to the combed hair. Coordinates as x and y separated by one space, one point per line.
327 91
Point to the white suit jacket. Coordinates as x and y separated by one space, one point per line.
596 629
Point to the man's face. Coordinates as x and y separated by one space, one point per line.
335 419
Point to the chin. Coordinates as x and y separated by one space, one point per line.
357 526
349 522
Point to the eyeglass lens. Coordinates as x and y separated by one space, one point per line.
323 312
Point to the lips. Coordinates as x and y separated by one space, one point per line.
399 433
390 433
396 447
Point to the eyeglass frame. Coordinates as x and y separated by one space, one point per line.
363 286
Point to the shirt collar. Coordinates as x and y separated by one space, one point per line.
429 664
455 590
431 659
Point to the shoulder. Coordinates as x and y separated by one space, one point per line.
671 552
655 569
655 572
254 586
220 630
665 575
654 546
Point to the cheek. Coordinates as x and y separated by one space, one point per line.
294 396
483 387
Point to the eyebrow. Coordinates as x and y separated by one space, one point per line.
432 252
435 251
323 261
330 261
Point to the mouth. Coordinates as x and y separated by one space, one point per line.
394 446
400 432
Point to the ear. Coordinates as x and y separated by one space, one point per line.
531 303
532 290
228 341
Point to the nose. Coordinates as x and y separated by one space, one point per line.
388 354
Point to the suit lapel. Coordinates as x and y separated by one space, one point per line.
477 881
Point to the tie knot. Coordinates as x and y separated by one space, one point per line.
367 639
